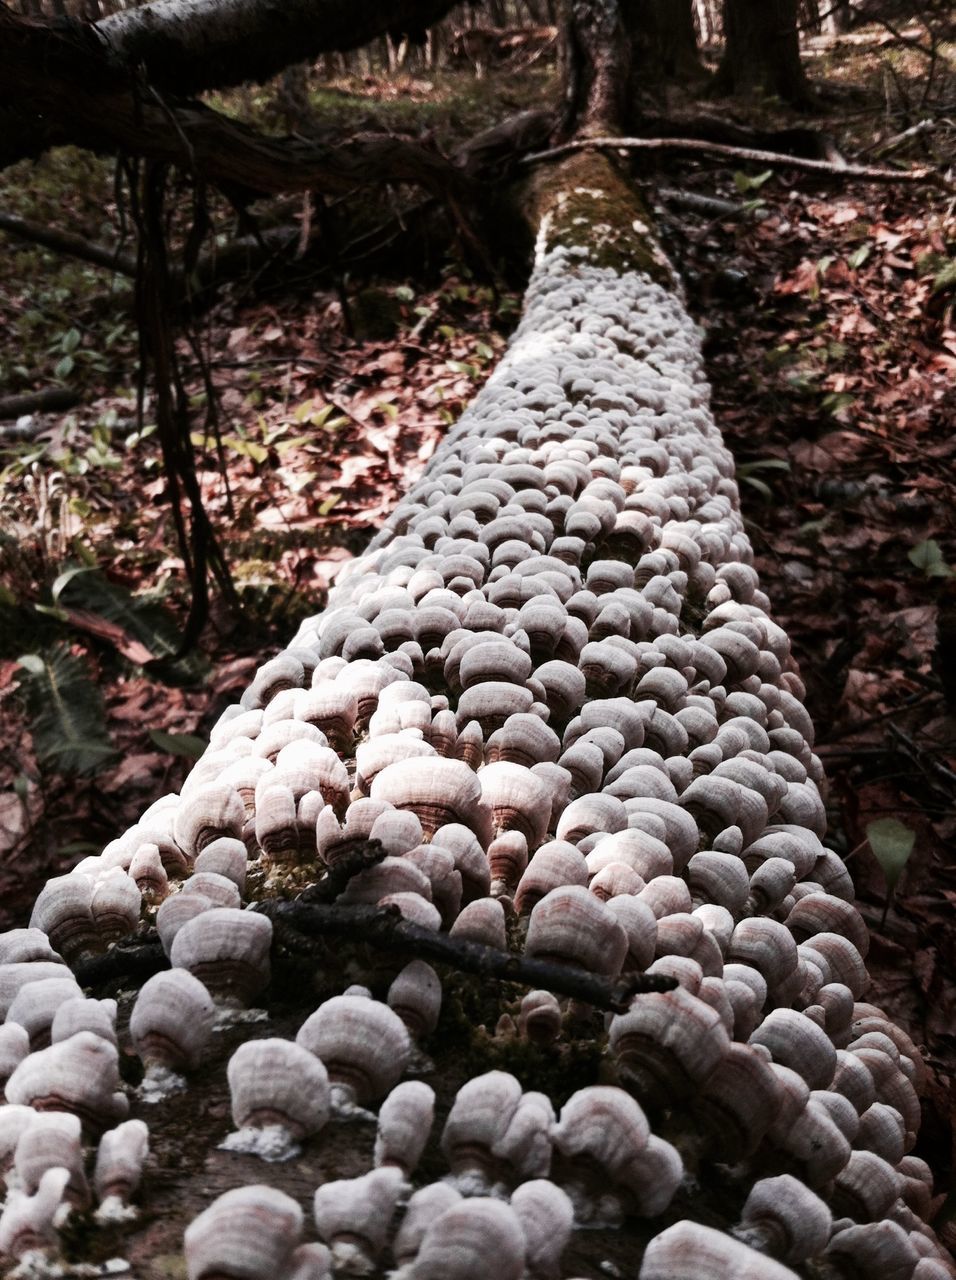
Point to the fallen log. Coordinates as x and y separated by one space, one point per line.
553 692
211 44
78 95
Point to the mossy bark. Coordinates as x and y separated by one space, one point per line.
585 204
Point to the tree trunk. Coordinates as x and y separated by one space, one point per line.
762 51
579 532
186 46
707 20
596 63
841 16
63 91
663 42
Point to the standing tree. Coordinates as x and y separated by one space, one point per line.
663 42
762 51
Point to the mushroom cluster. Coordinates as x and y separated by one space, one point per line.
552 696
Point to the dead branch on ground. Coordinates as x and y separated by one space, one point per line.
721 151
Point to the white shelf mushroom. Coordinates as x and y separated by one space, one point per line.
557 677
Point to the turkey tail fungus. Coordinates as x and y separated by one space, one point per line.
556 648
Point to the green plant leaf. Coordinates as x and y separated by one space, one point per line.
945 278
859 255
825 263
306 410
293 442
145 620
78 846
838 401
745 183
928 556
70 341
246 448
178 744
763 464
63 367
52 611
892 843
404 294
66 577
763 489
31 662
67 717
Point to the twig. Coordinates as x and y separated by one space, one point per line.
121 963
847 753
921 757
210 269
709 206
258 360
774 159
914 700
50 400
914 131
387 930
67 242
336 879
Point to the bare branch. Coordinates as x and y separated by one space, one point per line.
68 243
387 930
719 150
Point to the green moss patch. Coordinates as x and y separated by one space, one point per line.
583 202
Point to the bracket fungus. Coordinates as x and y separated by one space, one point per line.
551 675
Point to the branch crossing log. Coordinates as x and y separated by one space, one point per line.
553 692
749 155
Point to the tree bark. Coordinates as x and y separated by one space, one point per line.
56 89
187 46
663 42
68 243
841 16
762 51
597 60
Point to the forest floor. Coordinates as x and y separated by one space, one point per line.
830 337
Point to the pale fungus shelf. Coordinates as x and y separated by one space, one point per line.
547 713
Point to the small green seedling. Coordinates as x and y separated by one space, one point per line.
928 556
892 843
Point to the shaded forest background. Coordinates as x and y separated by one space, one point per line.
323 340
